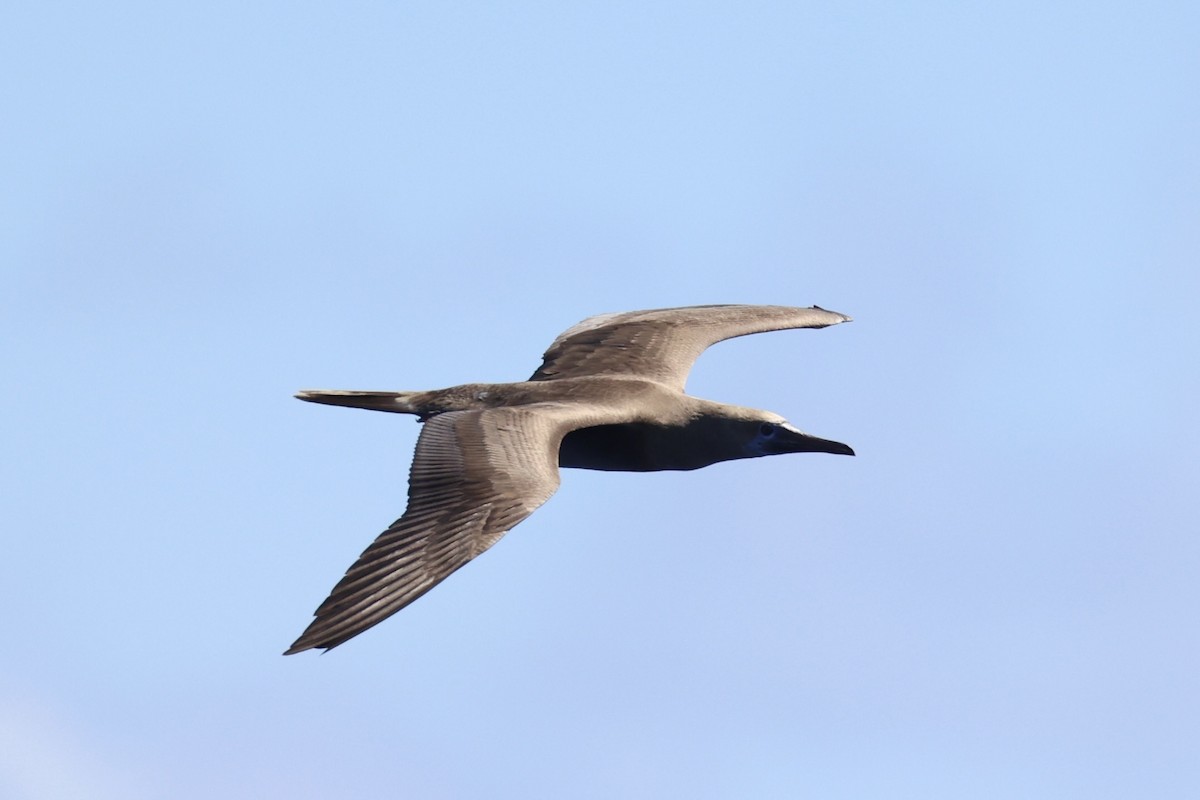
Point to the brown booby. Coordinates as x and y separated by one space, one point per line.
609 395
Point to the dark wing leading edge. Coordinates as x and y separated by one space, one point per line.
475 475
663 344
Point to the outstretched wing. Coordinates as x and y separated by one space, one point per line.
663 344
475 475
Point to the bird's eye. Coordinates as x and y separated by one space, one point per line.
767 429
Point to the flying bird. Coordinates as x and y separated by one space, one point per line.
609 395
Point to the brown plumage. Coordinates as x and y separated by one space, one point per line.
608 396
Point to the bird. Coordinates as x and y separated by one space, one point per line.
609 395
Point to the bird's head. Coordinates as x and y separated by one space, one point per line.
770 435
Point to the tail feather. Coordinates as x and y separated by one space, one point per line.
394 402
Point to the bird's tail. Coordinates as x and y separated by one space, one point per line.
395 402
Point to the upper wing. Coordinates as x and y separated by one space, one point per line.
475 475
663 344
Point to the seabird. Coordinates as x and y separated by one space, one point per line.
609 395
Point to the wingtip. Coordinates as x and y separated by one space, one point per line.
844 317
310 640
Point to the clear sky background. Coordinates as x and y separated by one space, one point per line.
206 208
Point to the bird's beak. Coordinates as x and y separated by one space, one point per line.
797 441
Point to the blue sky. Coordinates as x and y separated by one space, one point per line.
207 208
